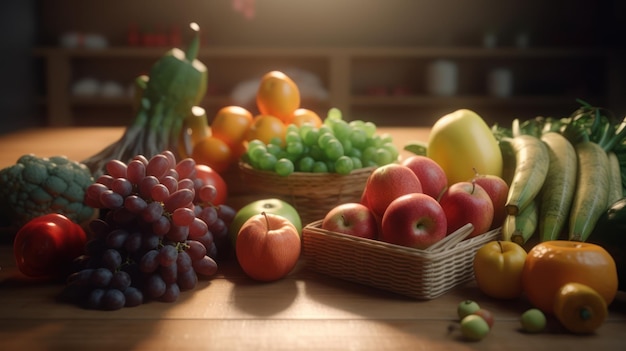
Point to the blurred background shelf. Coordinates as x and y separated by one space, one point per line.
371 63
355 78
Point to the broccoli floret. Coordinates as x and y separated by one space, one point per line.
36 186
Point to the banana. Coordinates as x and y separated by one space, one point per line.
521 227
532 161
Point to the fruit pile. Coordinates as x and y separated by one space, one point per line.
286 138
159 231
570 281
421 200
278 102
411 204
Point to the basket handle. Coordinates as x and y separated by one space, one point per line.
452 239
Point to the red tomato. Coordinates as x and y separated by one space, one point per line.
209 176
46 245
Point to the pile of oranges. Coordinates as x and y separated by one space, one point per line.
278 102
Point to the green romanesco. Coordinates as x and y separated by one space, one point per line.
35 186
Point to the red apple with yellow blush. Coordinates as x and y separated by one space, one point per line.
432 177
414 220
467 202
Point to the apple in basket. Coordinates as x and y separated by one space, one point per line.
431 175
498 190
467 202
268 247
415 220
351 218
386 183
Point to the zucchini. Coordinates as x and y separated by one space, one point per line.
508 161
592 190
558 189
531 168
615 176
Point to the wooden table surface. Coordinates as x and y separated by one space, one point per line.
306 310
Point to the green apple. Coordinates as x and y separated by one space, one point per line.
271 205
466 307
533 321
474 327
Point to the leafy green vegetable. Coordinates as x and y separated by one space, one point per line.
586 123
177 82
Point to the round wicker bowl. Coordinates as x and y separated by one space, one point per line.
312 194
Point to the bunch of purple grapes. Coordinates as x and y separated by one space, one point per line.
158 232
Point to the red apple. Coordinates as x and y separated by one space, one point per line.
497 189
467 202
268 247
269 205
351 218
431 175
486 315
388 182
415 220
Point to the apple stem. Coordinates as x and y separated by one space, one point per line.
473 185
267 220
501 248
343 218
476 174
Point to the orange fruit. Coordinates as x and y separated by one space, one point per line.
579 308
303 116
230 125
214 153
552 264
266 128
278 96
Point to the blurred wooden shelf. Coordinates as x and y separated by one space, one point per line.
346 72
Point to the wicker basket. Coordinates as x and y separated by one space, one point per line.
420 274
312 194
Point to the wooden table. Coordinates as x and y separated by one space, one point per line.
304 311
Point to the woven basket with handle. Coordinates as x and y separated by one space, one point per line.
312 194
421 274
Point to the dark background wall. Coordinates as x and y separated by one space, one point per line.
349 22
25 24
18 32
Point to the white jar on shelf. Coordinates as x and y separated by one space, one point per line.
500 82
442 77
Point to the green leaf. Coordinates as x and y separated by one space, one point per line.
417 147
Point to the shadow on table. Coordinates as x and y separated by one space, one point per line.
355 298
256 298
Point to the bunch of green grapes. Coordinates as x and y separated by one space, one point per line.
337 146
